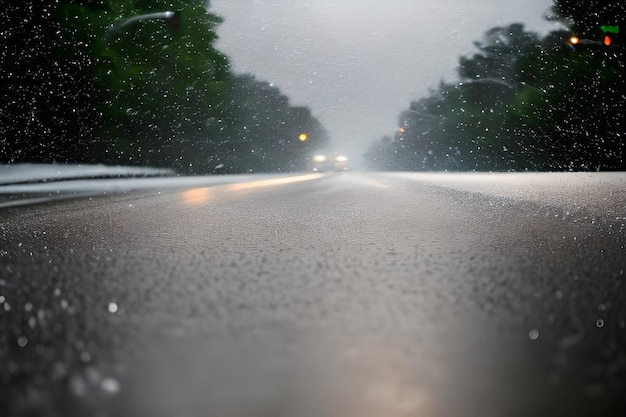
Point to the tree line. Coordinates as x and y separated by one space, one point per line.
524 102
82 83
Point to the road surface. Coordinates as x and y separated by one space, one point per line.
322 295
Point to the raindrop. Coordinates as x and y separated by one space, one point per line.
110 386
2 299
113 307
533 334
64 304
93 376
600 323
85 357
22 341
78 386
569 341
59 371
558 295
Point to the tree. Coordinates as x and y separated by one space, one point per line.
586 16
76 93
138 82
44 84
465 125
161 87
521 103
266 128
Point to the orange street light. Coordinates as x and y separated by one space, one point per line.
303 137
574 40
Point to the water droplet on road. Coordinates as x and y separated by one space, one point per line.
85 357
570 341
22 341
600 323
110 386
59 371
533 334
78 386
112 307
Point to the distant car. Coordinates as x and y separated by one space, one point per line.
323 163
341 163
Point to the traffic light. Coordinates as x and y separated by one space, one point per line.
606 36
610 34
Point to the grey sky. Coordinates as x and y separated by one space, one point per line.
359 63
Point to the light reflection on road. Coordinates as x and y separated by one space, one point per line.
272 182
375 381
197 196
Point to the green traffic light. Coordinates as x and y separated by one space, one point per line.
610 28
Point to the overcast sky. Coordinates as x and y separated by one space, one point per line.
358 63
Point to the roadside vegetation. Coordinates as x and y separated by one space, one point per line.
524 102
81 83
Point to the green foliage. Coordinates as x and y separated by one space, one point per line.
270 128
585 17
163 86
522 103
262 129
39 77
109 81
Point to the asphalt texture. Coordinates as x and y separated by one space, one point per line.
332 295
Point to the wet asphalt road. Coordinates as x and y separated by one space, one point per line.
332 295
